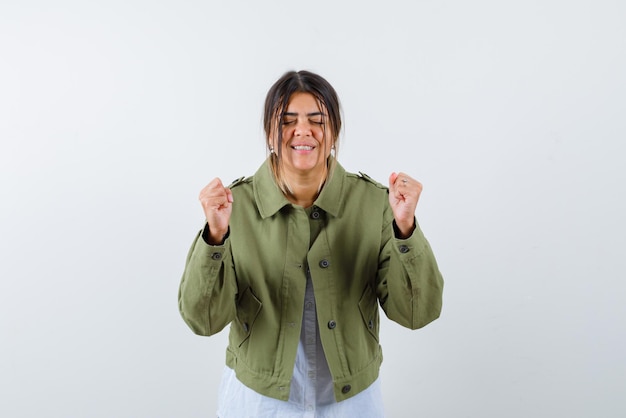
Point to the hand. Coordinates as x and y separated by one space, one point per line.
217 202
404 192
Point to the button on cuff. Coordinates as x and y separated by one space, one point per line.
404 249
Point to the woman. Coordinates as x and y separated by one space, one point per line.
297 258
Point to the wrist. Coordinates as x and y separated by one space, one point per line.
403 230
214 237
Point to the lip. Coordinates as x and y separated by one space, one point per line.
302 147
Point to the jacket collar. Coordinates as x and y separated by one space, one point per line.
270 198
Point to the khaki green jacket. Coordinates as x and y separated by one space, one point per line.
257 280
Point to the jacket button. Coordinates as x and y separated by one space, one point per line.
370 324
332 324
216 256
315 215
346 389
404 249
324 264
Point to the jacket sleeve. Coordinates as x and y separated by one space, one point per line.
206 297
409 284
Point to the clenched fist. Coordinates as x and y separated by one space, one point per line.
216 202
404 193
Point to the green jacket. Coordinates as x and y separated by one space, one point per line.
257 280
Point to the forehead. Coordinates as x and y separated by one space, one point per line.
304 101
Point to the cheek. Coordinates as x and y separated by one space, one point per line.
287 133
319 134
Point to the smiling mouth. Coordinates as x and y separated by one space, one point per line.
302 147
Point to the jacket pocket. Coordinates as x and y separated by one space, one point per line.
248 308
368 305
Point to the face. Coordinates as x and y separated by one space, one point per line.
304 148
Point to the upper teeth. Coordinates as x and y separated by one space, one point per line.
303 147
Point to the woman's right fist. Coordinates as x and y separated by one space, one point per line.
216 201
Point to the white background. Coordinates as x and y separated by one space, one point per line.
113 115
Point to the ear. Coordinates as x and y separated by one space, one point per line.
272 140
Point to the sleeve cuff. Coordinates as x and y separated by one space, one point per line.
206 236
413 245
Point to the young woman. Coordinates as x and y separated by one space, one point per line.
297 259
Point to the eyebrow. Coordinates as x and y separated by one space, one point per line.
308 114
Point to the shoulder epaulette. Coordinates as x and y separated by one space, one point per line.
371 180
237 182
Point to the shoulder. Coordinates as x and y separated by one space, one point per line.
364 195
240 181
242 187
365 180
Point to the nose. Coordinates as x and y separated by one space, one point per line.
303 128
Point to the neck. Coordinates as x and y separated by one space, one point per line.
304 189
